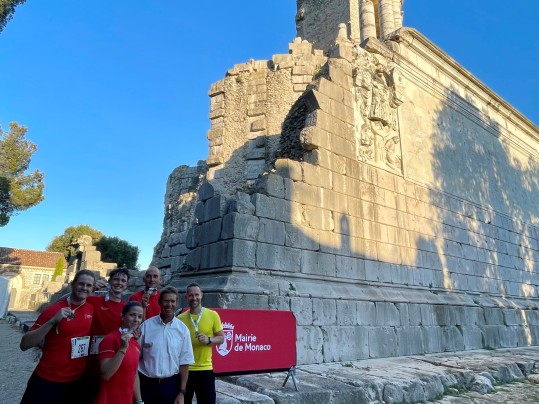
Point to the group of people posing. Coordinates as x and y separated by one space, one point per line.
101 349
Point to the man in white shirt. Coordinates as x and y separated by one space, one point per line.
166 354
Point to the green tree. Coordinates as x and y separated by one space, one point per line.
18 190
7 8
119 251
59 269
62 242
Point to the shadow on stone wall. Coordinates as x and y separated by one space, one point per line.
494 189
484 235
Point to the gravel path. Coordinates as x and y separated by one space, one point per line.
15 366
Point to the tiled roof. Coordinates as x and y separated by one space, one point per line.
32 258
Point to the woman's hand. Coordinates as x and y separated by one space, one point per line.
136 333
126 336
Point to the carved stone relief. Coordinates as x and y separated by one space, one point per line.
378 96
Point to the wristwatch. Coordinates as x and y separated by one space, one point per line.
209 340
182 391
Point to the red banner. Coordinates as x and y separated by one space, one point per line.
255 341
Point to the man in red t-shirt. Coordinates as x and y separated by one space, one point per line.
108 307
107 318
149 297
63 330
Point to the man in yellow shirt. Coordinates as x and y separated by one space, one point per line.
206 330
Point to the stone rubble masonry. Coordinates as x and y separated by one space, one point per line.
433 251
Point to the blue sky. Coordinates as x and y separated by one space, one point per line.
114 93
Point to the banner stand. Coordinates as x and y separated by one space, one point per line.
291 373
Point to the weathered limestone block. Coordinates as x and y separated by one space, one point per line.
271 231
273 185
377 271
214 255
192 259
493 315
382 342
432 339
241 203
410 314
452 339
289 169
178 250
324 312
241 300
445 315
313 138
349 267
240 226
346 312
206 191
387 314
491 336
302 309
366 313
512 317
355 343
208 232
340 73
310 343
508 336
304 238
272 208
530 317
472 337
317 263
409 340
279 303
214 207
270 256
342 346
241 253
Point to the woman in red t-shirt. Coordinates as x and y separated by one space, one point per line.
118 360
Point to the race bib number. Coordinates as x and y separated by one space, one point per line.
79 347
94 347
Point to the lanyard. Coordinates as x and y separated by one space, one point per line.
195 324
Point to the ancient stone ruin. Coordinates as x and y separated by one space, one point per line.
371 185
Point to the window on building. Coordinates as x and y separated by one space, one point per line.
46 278
37 279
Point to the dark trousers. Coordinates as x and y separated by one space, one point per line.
41 391
159 391
201 383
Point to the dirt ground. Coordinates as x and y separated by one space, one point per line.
15 366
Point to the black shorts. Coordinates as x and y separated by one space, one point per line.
42 391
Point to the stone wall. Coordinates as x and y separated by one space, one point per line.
381 193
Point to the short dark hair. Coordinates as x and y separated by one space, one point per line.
193 285
117 271
129 305
83 272
169 290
